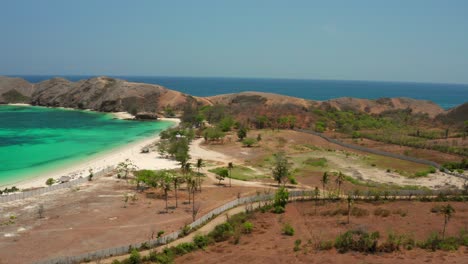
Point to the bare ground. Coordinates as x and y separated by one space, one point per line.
267 244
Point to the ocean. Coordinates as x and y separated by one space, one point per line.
35 140
445 95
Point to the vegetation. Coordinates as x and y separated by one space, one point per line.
281 168
288 230
50 181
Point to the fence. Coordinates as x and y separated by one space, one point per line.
293 195
382 153
28 194
116 251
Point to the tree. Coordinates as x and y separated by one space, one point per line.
230 167
447 211
350 202
176 180
281 198
316 195
339 180
165 182
143 176
125 168
325 180
50 181
91 175
200 164
242 133
281 168
221 174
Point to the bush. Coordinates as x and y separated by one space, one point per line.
324 245
222 232
297 245
359 212
381 212
288 230
166 257
160 233
50 181
249 142
201 241
278 209
135 257
357 240
247 227
184 248
281 197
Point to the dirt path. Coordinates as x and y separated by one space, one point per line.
189 238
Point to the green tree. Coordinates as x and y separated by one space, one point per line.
143 176
281 197
165 182
242 133
281 168
447 211
221 174
230 167
176 180
340 178
316 197
325 180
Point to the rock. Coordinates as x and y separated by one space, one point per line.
146 116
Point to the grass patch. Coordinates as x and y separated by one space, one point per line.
316 162
241 173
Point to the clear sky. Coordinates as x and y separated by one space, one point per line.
396 40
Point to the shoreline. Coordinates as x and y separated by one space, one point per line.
102 160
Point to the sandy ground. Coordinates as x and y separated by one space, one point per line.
110 158
354 164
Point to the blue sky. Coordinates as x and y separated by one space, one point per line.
424 41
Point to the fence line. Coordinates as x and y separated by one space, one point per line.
28 194
293 194
382 153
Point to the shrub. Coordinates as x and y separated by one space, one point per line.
288 230
281 197
278 209
201 241
166 257
292 179
184 248
381 212
115 261
357 240
324 245
135 257
359 212
392 243
222 232
248 142
50 181
247 227
297 245
160 233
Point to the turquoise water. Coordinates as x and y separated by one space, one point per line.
34 140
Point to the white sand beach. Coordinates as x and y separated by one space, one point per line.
113 157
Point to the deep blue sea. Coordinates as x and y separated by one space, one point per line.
446 95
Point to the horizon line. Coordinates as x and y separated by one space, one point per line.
87 76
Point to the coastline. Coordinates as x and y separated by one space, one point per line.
104 159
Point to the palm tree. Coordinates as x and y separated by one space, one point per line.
192 186
316 194
447 211
325 180
199 165
165 183
350 202
339 180
176 180
230 167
